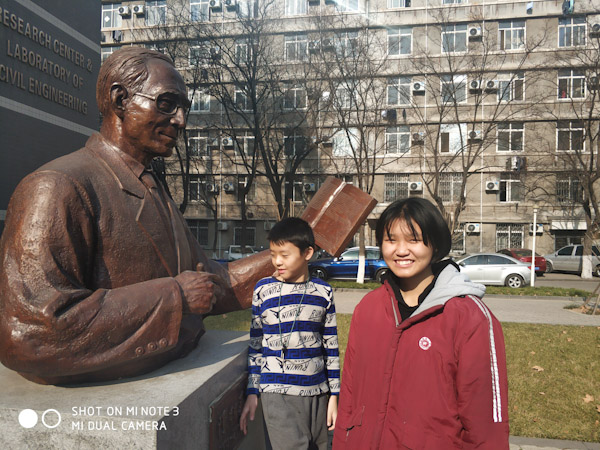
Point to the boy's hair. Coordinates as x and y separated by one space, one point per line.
434 229
294 230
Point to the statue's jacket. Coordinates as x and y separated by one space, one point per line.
87 288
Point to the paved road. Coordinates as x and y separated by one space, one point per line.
548 310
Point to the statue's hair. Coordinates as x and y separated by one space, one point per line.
128 67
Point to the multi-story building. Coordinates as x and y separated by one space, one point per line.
488 108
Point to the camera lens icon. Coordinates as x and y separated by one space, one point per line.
28 418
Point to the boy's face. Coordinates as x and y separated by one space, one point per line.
291 264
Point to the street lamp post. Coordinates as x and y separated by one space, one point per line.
532 283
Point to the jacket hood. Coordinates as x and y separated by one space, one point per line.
449 283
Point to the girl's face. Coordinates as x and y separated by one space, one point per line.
405 254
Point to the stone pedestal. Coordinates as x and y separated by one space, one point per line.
166 409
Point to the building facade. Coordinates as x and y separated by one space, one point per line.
487 108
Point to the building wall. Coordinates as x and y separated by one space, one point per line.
48 75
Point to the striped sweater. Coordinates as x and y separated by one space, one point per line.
293 339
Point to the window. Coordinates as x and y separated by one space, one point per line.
199 54
345 142
245 144
512 35
156 12
248 8
397 140
110 16
453 2
510 136
510 188
199 10
242 181
107 51
200 102
296 47
511 86
571 31
346 43
296 7
398 90
450 187
458 239
243 52
452 137
346 5
297 192
344 99
454 38
250 236
199 229
509 235
568 189
570 136
399 41
241 99
571 84
294 145
198 143
398 4
395 186
454 88
197 188
295 97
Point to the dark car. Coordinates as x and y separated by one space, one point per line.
524 255
346 265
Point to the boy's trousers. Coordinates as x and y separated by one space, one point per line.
294 422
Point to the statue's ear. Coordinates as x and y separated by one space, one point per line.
118 94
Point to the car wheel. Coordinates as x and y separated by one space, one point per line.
319 273
380 273
514 281
597 271
549 267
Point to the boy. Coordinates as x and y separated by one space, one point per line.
293 359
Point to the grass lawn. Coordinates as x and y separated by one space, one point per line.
553 375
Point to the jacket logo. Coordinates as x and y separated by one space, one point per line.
425 343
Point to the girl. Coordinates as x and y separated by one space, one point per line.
425 365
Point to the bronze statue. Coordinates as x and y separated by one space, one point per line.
100 277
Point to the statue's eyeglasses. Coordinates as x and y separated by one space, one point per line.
167 103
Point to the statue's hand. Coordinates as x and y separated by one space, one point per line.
201 290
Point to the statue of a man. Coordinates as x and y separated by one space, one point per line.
100 277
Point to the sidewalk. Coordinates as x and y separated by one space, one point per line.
548 310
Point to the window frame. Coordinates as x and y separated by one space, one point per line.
571 129
512 130
514 27
156 6
510 188
450 185
571 76
395 186
511 80
114 12
451 30
401 133
398 33
453 87
570 28
400 85
299 41
201 5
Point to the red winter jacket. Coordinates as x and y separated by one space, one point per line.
434 381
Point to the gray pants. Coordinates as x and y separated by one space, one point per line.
295 423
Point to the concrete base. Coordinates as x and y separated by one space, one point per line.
165 409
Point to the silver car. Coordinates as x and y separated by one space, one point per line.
570 258
496 269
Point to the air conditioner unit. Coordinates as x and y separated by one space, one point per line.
215 5
327 44
310 187
231 5
222 226
138 10
595 30
419 136
516 163
539 228
227 142
492 185
419 87
212 188
415 186
475 32
473 228
491 85
268 226
475 85
389 114
314 45
475 135
228 187
124 11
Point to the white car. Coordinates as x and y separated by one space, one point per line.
496 269
570 259
235 252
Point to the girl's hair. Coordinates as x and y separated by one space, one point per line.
434 229
294 230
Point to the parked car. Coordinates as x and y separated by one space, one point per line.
346 265
235 252
570 258
496 269
524 255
